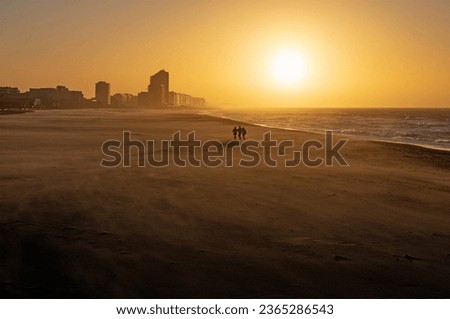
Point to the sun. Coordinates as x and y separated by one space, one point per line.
289 68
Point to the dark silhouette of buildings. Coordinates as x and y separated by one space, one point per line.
8 90
10 97
158 89
157 95
55 97
125 99
180 99
103 93
143 100
41 97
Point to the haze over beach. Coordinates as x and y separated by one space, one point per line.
239 149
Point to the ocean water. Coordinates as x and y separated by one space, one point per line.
428 127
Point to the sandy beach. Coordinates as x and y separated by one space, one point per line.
379 228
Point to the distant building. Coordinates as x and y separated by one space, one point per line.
10 97
55 97
41 97
102 92
124 100
199 102
158 94
8 90
143 100
172 98
158 89
180 99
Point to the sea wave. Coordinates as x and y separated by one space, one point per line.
423 127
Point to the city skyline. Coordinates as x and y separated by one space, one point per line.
102 91
157 95
352 53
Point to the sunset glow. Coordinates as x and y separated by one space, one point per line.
289 68
357 53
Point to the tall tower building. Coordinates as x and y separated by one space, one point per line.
103 92
158 89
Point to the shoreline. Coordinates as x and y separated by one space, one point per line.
357 137
234 121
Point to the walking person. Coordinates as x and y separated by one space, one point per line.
244 132
235 130
239 131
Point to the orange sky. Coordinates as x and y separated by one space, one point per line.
382 53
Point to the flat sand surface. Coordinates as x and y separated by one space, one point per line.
379 228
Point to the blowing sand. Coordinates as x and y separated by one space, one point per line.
379 228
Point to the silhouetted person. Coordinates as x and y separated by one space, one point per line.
239 131
243 131
235 131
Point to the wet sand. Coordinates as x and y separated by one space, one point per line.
379 228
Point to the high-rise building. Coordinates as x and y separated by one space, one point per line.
102 92
142 99
158 90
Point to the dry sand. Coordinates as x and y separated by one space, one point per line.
379 228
